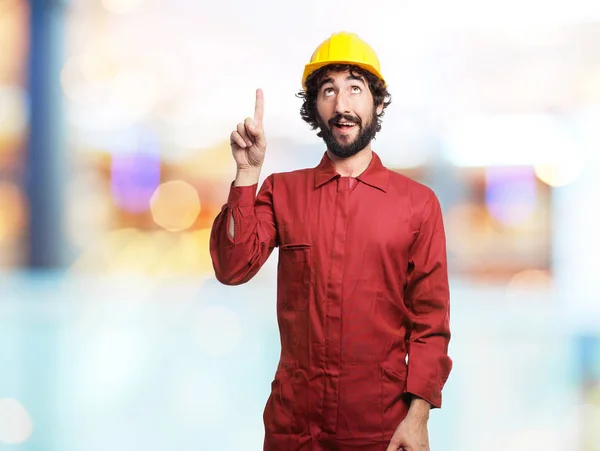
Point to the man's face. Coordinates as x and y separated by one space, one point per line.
346 114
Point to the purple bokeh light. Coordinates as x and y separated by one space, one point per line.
511 194
135 175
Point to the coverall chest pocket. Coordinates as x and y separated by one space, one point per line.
293 288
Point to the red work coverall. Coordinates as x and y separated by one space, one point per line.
362 282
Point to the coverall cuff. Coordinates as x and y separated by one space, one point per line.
424 389
242 196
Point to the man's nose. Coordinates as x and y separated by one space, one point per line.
341 104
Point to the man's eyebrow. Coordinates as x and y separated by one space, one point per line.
356 77
325 80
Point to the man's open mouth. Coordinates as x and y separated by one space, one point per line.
344 125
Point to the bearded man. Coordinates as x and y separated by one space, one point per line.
362 283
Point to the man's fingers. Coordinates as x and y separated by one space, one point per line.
259 107
236 138
397 444
252 127
255 132
241 129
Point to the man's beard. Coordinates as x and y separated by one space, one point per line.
365 135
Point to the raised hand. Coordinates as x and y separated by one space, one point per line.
248 143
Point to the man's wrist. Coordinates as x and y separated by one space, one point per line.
419 409
247 177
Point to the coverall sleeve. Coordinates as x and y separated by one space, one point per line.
236 260
428 298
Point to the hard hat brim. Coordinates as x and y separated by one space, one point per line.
311 67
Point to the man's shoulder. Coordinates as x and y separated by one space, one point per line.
410 186
292 175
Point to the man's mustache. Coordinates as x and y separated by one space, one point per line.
344 118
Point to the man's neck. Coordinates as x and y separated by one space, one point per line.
354 165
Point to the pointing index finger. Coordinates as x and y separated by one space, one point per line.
259 107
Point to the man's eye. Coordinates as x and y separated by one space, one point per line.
328 91
356 89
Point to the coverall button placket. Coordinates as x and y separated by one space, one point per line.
333 322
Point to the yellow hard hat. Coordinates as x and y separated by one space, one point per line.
343 48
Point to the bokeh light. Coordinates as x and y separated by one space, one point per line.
462 222
13 112
12 211
156 253
175 205
534 285
195 251
135 174
15 423
530 278
510 193
14 15
558 175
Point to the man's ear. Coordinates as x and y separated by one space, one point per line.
379 109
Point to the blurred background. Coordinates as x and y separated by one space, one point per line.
114 160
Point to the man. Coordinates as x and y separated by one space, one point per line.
362 285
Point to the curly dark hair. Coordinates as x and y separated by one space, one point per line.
308 111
